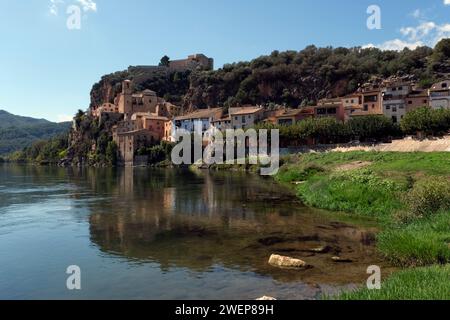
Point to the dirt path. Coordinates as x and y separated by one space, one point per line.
405 145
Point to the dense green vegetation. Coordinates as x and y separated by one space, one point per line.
430 283
18 132
408 193
329 130
427 121
290 77
48 151
157 153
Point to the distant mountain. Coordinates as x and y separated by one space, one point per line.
10 120
17 132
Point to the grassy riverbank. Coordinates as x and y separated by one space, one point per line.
408 193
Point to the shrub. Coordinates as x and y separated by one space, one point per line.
427 198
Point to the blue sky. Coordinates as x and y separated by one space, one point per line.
47 70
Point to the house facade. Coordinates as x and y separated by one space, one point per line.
394 100
293 116
330 108
440 95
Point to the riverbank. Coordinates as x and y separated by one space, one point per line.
407 193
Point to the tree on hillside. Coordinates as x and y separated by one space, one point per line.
440 59
165 61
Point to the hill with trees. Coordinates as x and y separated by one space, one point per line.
294 78
18 132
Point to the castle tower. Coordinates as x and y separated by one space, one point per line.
125 99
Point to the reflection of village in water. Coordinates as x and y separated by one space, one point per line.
157 232
198 220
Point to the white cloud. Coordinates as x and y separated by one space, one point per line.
54 6
447 2
88 5
64 118
395 44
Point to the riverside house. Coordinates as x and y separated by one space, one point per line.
200 120
292 116
440 95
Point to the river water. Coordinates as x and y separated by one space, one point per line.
167 234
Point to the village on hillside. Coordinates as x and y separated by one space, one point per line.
144 119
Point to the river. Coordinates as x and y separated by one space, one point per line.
140 233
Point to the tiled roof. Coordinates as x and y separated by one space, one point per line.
200 114
244 110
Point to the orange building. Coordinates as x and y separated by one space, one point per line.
330 108
292 116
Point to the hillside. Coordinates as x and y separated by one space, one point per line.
292 77
18 132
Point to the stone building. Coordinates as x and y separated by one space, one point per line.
129 103
440 95
394 100
330 108
198 121
293 116
417 99
192 62
239 118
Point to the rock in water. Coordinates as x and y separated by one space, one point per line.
266 298
341 260
286 262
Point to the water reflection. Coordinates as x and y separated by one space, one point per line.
156 224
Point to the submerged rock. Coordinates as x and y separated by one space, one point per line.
266 298
286 262
341 260
322 249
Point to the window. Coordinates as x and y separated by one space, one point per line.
366 107
444 85
409 102
400 88
388 107
394 109
394 119
332 111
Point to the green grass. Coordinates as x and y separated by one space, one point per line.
420 243
407 193
431 283
368 197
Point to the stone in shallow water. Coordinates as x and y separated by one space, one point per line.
340 259
266 298
286 262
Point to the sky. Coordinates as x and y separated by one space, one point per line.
49 61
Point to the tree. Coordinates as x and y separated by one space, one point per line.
111 153
165 61
372 127
426 121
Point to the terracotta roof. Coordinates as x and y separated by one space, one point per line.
200 114
244 110
295 112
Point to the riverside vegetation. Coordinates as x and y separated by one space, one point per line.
408 193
